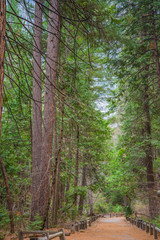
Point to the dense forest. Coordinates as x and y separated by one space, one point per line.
79 110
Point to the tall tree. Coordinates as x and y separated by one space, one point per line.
37 109
77 164
49 117
2 55
2 47
83 184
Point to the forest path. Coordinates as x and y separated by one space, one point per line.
116 228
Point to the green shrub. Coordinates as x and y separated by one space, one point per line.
36 224
4 218
118 208
115 208
101 206
128 211
157 221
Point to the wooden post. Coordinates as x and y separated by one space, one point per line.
72 228
47 234
143 225
154 231
76 226
80 225
150 229
83 225
147 228
62 237
86 223
20 234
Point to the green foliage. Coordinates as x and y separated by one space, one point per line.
36 224
101 205
115 208
4 218
157 221
128 211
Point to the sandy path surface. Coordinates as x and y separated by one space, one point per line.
111 229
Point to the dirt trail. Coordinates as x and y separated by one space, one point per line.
111 229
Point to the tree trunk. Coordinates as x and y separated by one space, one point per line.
149 155
49 105
2 52
76 166
56 174
9 202
81 201
37 110
90 198
62 193
2 55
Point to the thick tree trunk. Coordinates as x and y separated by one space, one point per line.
56 174
149 156
37 110
2 55
9 202
76 166
49 105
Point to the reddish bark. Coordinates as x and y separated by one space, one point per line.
56 175
49 105
2 51
37 110
77 165
9 202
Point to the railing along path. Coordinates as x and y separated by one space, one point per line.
148 227
48 235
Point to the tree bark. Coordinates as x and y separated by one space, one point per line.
56 174
2 52
2 56
149 155
9 202
90 198
49 105
81 201
37 110
76 166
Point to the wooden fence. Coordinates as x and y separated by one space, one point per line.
48 235
148 227
45 235
116 214
81 225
